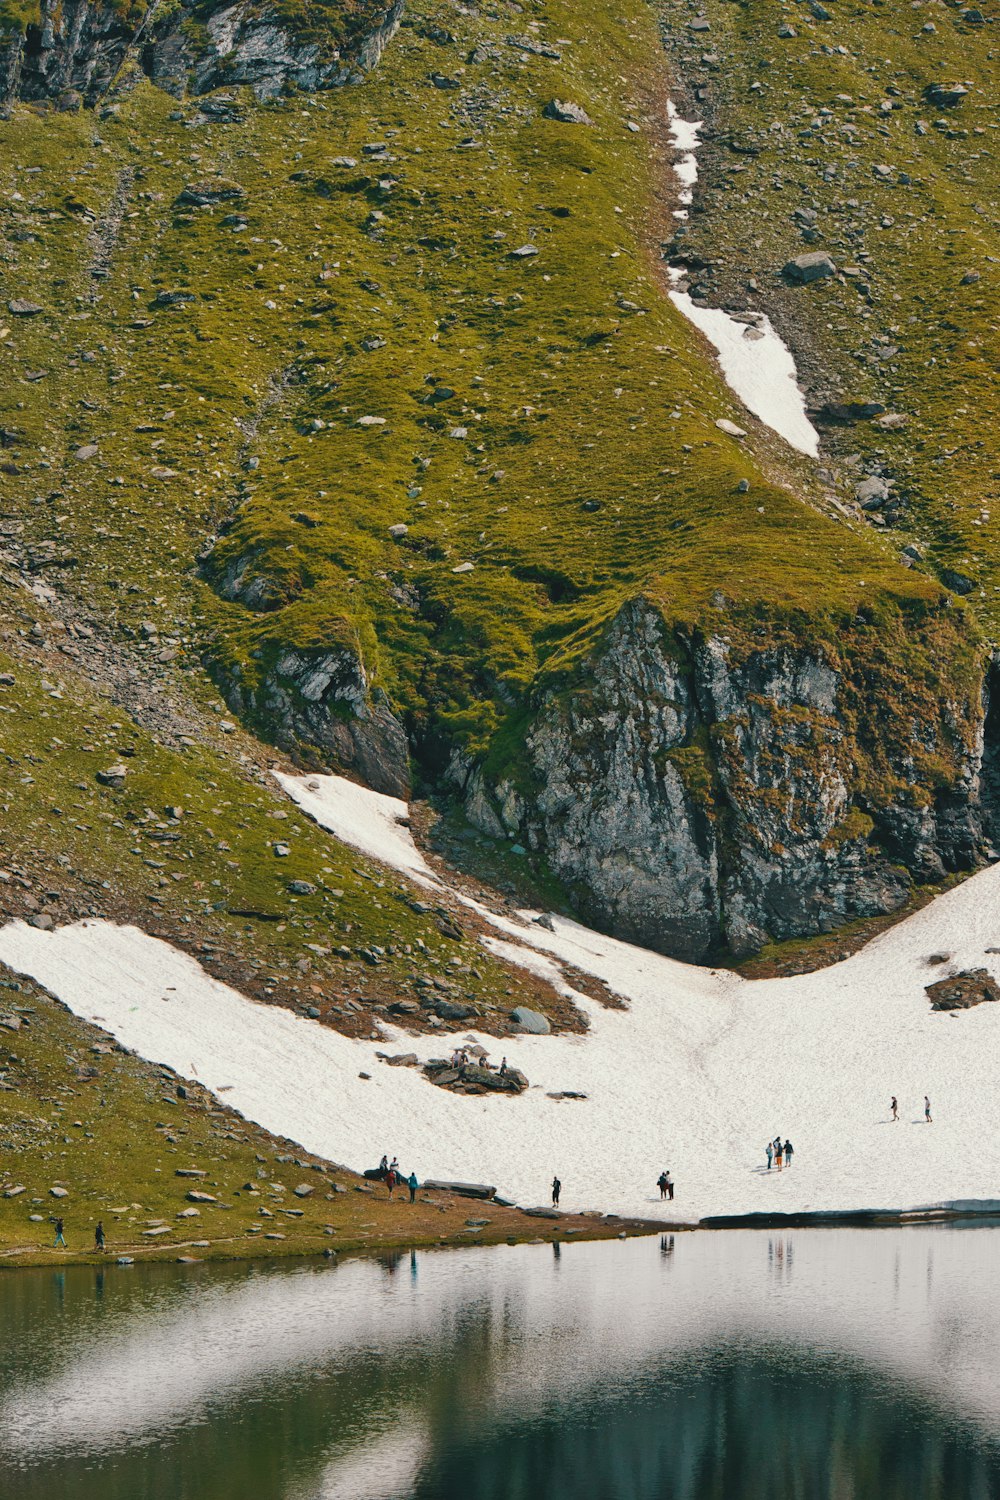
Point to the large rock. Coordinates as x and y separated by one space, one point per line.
566 111
812 267
530 1020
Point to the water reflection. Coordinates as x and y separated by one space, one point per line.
811 1363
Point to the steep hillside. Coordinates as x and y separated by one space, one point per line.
369 405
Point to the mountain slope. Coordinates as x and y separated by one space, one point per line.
370 404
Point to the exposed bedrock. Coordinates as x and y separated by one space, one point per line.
699 792
317 703
74 51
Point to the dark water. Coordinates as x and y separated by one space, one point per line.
826 1365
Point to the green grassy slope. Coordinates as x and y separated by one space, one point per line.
199 372
832 130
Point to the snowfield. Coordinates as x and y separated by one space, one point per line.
696 1074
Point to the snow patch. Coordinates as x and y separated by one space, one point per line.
756 363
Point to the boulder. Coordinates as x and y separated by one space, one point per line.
811 267
566 111
530 1020
463 1189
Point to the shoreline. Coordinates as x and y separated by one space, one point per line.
547 1229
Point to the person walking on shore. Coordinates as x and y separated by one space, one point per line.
894 1107
412 1184
99 1237
927 1110
556 1190
59 1236
769 1153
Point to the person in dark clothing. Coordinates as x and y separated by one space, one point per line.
556 1190
503 1068
412 1184
670 1187
99 1236
661 1183
769 1153
789 1152
778 1151
894 1107
59 1235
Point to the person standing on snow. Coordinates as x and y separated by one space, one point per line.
661 1183
670 1187
927 1110
894 1107
769 1153
789 1151
556 1190
777 1153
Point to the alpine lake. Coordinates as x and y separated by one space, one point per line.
827 1364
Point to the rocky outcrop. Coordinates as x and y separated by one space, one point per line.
318 702
963 991
697 793
75 50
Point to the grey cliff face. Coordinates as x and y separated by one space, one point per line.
696 803
318 703
77 52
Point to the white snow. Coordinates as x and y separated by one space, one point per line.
367 820
696 1075
756 363
759 368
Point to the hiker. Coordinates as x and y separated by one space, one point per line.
670 1187
789 1153
99 1236
894 1107
661 1183
769 1153
412 1184
59 1236
503 1068
778 1149
394 1166
927 1110
390 1180
556 1190
383 1165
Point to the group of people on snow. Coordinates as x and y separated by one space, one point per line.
392 1175
779 1153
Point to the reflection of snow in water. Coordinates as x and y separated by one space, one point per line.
915 1306
756 363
